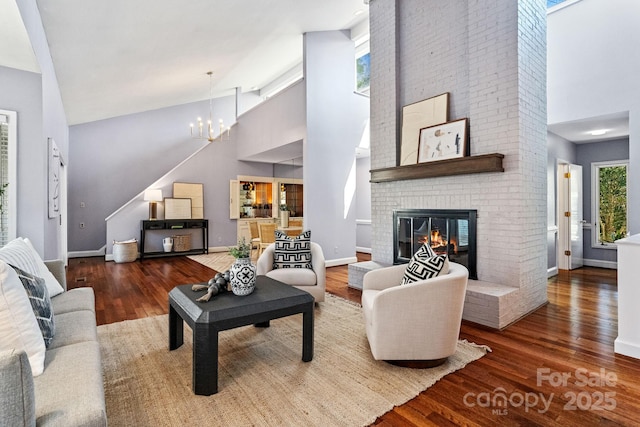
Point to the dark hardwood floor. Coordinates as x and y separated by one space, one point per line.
555 367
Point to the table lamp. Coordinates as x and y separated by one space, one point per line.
153 196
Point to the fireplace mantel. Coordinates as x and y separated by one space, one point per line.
460 166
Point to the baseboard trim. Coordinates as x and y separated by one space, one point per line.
87 254
553 271
612 265
218 249
363 250
340 261
631 349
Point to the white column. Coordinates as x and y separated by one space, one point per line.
628 341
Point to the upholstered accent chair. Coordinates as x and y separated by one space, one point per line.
416 324
312 280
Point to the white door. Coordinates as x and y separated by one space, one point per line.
571 217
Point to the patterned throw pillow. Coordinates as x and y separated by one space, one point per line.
292 252
40 303
424 264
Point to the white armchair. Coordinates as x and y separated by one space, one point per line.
419 321
310 280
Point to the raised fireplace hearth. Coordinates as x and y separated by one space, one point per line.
447 231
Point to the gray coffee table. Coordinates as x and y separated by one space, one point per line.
270 300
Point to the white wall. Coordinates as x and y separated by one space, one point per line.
33 220
363 204
336 118
593 71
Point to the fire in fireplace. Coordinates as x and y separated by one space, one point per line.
447 231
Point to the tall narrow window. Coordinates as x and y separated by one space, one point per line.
609 202
7 176
363 67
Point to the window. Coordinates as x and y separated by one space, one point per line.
363 69
8 182
609 200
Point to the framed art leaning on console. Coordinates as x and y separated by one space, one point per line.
175 208
193 191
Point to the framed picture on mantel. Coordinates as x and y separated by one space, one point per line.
445 141
430 112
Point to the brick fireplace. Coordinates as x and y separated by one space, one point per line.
494 68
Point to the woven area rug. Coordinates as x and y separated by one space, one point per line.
218 261
262 379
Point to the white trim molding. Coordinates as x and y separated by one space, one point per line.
612 265
340 261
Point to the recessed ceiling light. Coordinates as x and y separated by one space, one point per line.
598 132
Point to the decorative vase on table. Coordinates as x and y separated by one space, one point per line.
242 276
167 244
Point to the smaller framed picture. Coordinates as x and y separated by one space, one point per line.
175 208
445 141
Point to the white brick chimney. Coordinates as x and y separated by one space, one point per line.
491 57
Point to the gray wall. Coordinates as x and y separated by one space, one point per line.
113 160
289 169
336 118
21 91
214 166
268 128
585 155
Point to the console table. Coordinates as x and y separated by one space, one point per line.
170 227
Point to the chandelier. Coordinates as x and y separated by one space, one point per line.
200 133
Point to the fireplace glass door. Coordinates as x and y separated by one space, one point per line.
450 233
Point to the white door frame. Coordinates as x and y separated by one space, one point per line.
565 225
62 225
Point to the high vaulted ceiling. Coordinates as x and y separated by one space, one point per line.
121 56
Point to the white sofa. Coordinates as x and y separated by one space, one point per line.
311 280
419 321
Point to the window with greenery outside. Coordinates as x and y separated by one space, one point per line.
612 203
363 73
